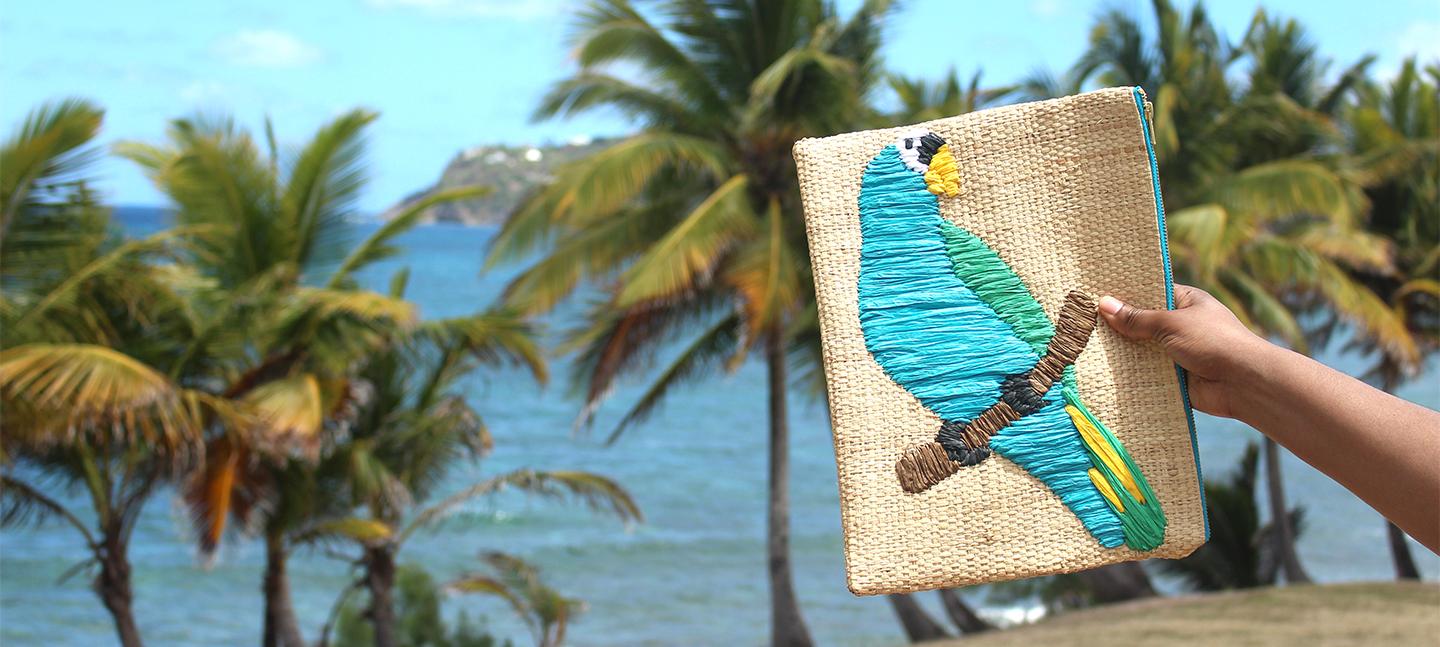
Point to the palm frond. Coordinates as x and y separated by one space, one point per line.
320 193
617 341
54 390
1284 189
545 611
216 176
707 353
67 289
290 410
361 531
215 491
379 245
692 248
767 274
1264 313
794 63
590 90
1360 306
615 32
1359 250
322 303
593 251
494 337
21 502
594 491
337 327
1199 232
593 188
51 150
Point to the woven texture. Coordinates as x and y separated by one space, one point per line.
1062 191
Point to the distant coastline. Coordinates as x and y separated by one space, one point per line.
511 172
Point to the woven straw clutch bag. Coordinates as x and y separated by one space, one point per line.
986 428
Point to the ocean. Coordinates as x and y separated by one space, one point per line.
692 574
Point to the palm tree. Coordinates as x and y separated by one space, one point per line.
413 427
1241 551
1394 142
88 322
421 619
694 223
922 100
545 611
1260 215
276 320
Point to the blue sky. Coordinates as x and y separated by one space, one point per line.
450 74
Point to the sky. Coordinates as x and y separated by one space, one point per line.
446 75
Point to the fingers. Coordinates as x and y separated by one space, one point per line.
1130 321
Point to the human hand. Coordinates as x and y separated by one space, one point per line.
1220 354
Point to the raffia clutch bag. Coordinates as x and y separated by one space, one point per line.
986 428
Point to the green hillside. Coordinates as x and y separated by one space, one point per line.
510 171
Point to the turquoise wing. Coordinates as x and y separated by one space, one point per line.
1077 460
983 271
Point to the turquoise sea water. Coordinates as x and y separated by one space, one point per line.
692 574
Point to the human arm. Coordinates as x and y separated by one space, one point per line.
1384 449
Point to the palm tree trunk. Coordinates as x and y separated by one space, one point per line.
113 587
1284 533
964 617
919 627
1405 568
787 627
380 581
282 628
1118 583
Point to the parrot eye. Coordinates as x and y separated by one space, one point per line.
909 148
916 149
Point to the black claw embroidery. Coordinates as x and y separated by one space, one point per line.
1015 390
951 432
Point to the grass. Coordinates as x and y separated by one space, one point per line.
1380 613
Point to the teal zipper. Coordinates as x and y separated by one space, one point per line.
1139 95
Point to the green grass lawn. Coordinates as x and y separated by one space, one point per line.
1382 613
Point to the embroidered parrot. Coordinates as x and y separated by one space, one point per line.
952 324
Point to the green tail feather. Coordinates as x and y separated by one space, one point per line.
1143 523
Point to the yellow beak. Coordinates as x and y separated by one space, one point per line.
943 177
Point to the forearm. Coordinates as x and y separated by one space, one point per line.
1382 448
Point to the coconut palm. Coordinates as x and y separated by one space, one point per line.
694 223
1394 144
1259 214
277 322
1240 553
88 321
923 100
544 610
412 427
422 621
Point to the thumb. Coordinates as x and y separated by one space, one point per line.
1130 321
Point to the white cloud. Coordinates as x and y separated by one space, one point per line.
514 9
1420 39
266 48
1046 8
204 92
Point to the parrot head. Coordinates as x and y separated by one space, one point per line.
927 154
